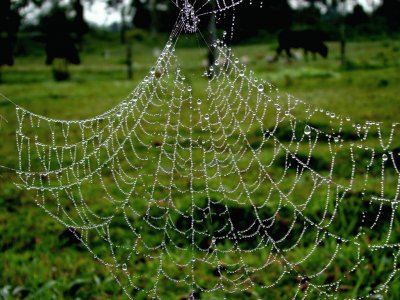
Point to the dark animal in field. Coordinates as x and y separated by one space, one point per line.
308 40
62 47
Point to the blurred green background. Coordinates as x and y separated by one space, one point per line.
38 260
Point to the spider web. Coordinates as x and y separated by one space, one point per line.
234 193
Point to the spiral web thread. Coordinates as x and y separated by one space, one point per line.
235 193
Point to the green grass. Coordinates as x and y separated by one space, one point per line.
38 263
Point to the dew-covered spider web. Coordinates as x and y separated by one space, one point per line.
230 192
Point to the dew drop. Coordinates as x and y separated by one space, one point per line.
307 130
206 116
384 157
260 88
124 267
199 101
241 73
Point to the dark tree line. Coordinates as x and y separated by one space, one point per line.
273 16
65 25
328 15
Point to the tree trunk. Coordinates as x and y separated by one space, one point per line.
80 25
8 33
341 17
123 25
343 43
153 12
343 34
129 59
60 70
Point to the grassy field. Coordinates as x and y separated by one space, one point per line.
39 260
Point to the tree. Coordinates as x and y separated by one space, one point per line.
60 45
251 19
389 12
124 11
142 15
9 24
315 2
358 17
338 10
309 14
154 16
79 23
125 37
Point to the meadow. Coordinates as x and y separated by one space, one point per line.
40 260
